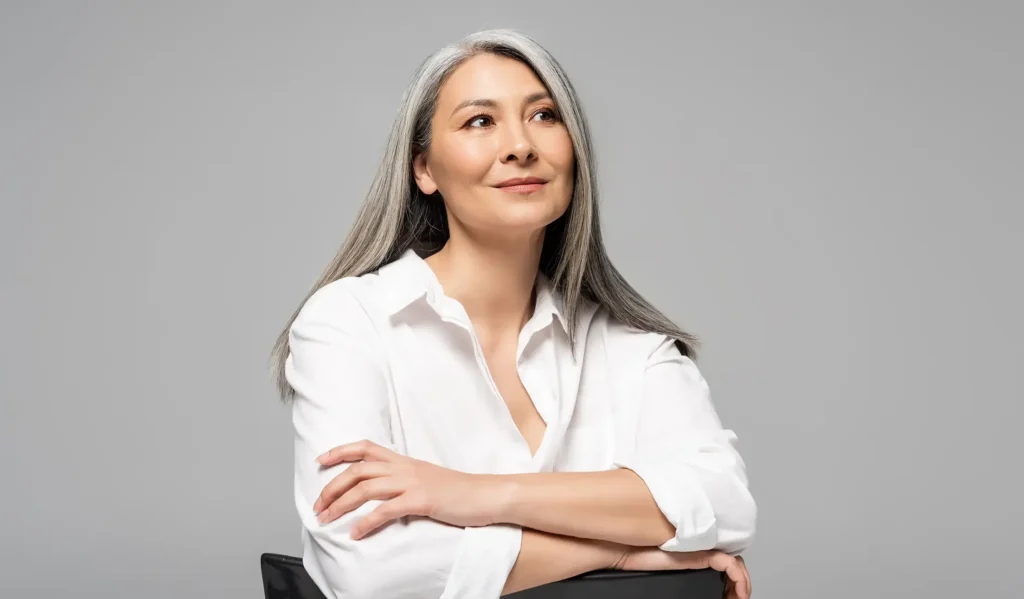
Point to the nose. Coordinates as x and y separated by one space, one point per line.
517 145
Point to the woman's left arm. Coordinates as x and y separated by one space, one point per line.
682 486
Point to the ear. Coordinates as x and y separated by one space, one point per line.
422 174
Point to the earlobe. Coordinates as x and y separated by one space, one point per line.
422 175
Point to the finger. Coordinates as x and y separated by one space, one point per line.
737 589
746 575
723 562
353 452
349 478
732 588
384 513
738 575
367 490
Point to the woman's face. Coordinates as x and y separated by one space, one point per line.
494 122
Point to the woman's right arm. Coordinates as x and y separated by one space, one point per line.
336 367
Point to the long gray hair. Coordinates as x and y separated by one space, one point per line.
397 216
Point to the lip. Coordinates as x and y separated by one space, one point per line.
521 184
522 181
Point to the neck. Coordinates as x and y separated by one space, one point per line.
493 282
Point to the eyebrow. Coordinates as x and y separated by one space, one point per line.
489 103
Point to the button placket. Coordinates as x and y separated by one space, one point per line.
451 311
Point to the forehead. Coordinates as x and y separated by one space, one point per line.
489 76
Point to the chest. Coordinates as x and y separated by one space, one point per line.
485 409
501 365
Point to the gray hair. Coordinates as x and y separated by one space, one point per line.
397 216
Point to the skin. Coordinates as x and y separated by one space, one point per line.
606 519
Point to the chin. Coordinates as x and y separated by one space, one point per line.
528 216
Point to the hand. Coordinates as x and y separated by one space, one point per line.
737 585
409 487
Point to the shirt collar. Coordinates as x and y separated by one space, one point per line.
550 304
411 279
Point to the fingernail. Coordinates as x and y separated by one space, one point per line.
322 516
316 507
320 458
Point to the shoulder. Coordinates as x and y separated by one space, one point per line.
628 344
350 304
620 336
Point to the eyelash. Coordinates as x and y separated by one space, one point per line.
553 119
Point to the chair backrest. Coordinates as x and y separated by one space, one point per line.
285 578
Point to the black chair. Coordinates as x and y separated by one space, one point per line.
285 578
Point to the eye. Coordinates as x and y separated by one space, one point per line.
479 117
552 116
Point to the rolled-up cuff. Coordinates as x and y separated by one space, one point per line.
679 493
485 558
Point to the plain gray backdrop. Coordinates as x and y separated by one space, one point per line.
828 194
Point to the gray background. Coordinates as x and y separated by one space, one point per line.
828 194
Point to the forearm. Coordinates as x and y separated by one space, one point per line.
545 558
613 505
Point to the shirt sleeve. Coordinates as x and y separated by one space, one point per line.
688 461
337 370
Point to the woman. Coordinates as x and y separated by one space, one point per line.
481 403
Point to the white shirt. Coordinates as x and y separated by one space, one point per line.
388 357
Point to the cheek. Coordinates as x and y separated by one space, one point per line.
558 152
562 146
563 160
460 168
466 163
